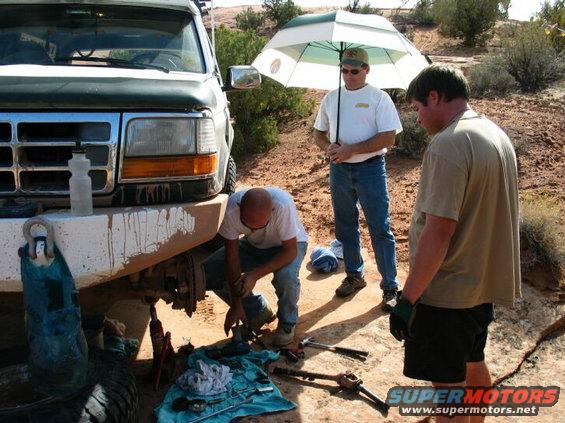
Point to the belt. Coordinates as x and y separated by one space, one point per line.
369 160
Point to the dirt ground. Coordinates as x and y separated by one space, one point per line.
296 165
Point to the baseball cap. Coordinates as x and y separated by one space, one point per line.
355 57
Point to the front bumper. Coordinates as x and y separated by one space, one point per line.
114 242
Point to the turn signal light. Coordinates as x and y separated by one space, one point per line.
168 167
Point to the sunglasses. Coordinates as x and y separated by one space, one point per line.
351 71
251 228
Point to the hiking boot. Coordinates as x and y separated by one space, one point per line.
283 335
390 297
264 317
349 285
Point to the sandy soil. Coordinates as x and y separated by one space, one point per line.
518 352
297 166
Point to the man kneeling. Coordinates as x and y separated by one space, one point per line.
274 241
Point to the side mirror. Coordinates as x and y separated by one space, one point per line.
242 78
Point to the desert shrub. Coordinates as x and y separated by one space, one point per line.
355 6
521 145
422 14
260 136
397 95
542 234
530 57
281 11
491 78
413 139
259 112
471 20
249 20
552 17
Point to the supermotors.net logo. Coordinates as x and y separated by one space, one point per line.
472 401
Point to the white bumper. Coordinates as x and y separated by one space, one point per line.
114 242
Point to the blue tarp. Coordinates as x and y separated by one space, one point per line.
246 374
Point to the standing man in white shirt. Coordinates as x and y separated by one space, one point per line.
274 241
368 125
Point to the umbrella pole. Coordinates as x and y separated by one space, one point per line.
339 92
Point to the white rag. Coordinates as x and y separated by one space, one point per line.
205 379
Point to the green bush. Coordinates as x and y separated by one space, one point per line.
521 146
397 95
530 57
281 11
259 112
542 235
422 13
552 17
355 6
249 20
491 78
471 20
413 139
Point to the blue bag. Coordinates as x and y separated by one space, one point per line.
58 354
324 260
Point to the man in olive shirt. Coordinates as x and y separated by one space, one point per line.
464 246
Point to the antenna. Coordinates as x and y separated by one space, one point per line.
212 24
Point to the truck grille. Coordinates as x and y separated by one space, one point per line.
35 149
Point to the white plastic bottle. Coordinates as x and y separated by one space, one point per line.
80 183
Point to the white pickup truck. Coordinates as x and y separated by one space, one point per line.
136 82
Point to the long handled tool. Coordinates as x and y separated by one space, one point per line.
223 410
309 342
346 381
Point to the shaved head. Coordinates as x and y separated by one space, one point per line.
256 208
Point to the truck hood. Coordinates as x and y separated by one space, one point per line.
86 87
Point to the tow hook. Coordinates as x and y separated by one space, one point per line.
42 250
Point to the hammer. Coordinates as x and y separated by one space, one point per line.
309 342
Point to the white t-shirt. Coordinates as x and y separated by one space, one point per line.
283 225
363 113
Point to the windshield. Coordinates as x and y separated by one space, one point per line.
92 35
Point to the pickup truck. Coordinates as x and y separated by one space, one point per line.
137 84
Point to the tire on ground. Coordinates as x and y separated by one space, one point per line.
111 397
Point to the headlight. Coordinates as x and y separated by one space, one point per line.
169 148
169 137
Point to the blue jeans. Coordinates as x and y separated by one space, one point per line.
285 280
364 183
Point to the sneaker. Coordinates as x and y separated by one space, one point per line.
349 285
390 296
283 335
264 317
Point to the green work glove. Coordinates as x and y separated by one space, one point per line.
401 318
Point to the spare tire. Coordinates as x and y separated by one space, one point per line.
110 396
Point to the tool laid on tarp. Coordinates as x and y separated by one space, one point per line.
223 410
199 405
351 352
347 381
248 380
58 353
